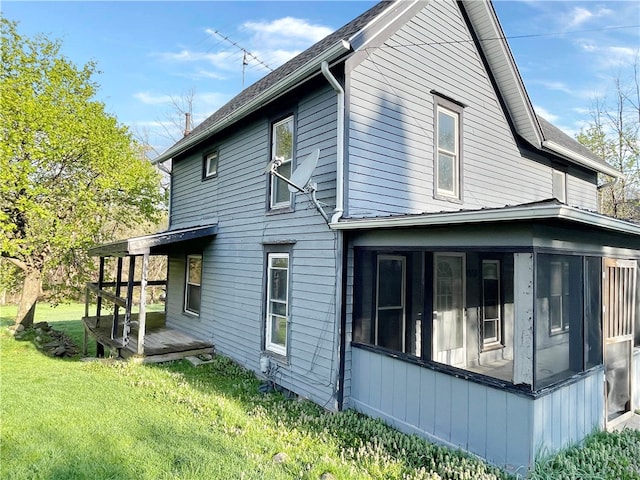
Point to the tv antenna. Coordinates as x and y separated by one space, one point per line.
300 180
245 53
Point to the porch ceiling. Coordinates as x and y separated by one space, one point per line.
152 244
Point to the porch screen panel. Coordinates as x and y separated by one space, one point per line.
559 322
390 311
448 314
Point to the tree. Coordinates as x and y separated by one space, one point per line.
66 165
614 136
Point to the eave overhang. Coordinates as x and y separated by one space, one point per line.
150 244
581 159
518 213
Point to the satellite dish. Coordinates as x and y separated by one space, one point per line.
300 178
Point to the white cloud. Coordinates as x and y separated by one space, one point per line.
284 31
580 15
217 59
150 99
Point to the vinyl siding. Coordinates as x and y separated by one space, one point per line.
391 111
582 191
507 429
232 311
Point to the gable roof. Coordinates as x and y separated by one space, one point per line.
334 45
539 133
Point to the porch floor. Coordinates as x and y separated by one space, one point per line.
161 343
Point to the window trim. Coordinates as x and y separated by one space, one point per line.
187 283
271 203
562 195
455 111
268 344
206 173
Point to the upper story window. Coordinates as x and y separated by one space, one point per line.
210 165
559 186
193 284
447 169
281 148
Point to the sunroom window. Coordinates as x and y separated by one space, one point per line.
440 307
567 322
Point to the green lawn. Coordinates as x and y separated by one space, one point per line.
67 419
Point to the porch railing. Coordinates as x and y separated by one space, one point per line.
119 302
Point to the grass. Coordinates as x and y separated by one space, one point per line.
67 419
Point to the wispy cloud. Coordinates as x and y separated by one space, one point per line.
151 99
579 16
285 31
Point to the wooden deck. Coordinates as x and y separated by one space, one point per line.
161 343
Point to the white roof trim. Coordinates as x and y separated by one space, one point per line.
507 214
360 39
581 159
273 91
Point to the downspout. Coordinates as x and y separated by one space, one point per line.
339 210
340 311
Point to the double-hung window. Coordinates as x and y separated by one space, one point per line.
277 302
447 152
491 303
193 284
282 150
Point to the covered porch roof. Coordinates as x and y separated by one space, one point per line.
155 244
544 210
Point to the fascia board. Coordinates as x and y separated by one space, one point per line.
375 27
581 160
273 91
543 212
487 26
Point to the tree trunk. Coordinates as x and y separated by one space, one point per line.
30 292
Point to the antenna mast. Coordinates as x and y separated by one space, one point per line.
245 53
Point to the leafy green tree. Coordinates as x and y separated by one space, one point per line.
66 166
614 135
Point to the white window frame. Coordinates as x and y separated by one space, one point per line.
441 192
210 172
562 268
187 283
269 344
488 343
559 185
273 203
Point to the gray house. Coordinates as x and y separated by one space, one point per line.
444 268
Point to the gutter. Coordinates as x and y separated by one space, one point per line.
581 159
274 90
339 210
560 212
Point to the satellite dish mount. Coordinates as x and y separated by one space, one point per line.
300 180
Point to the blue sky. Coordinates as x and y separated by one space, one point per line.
152 53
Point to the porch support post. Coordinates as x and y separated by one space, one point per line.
523 309
99 299
142 313
99 346
116 307
126 327
85 337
